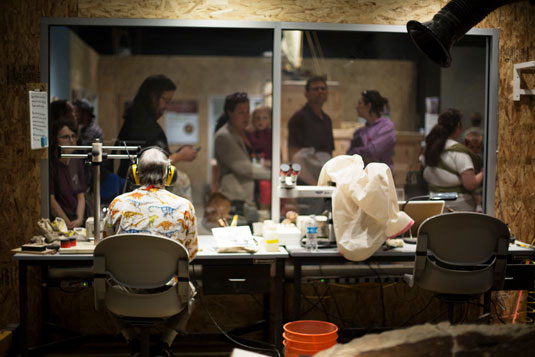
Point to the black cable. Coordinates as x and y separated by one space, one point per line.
337 307
381 293
329 315
314 304
419 312
328 289
412 199
401 297
496 310
274 349
324 308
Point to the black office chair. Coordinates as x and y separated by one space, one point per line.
460 256
129 273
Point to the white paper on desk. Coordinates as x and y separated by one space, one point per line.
235 239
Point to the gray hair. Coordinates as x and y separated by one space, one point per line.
152 166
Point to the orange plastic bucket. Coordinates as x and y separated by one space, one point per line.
297 352
309 345
310 331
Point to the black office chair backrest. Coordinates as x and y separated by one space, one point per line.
464 237
141 261
461 253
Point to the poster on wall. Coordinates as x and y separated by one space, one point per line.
182 122
38 120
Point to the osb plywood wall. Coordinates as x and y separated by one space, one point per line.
19 165
19 25
515 201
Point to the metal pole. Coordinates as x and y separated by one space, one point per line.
96 160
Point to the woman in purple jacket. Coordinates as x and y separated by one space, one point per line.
375 141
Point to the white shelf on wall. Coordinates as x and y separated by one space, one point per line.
517 91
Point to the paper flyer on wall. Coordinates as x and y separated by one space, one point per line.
38 119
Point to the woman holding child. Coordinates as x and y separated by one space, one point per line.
232 150
449 165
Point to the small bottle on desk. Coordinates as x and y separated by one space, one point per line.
311 242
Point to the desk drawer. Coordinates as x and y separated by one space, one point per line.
236 279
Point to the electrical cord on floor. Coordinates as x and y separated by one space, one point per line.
419 312
274 349
496 310
336 305
313 304
382 294
323 306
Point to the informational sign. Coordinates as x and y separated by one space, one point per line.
38 119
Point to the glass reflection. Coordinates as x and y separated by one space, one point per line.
373 78
108 64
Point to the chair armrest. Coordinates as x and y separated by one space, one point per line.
183 279
421 256
501 262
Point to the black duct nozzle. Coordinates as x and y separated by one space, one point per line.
436 37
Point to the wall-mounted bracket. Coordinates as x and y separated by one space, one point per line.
517 91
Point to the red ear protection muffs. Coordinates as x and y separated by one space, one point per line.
171 170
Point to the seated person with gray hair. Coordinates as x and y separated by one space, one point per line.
151 209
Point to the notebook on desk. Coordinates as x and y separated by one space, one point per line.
419 211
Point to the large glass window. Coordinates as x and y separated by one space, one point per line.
358 65
104 61
106 65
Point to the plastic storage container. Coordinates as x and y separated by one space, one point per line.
307 337
271 239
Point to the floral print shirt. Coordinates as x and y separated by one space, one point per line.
153 210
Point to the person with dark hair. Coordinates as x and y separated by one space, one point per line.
310 126
67 182
154 210
375 141
140 125
62 109
449 165
88 131
87 125
236 171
